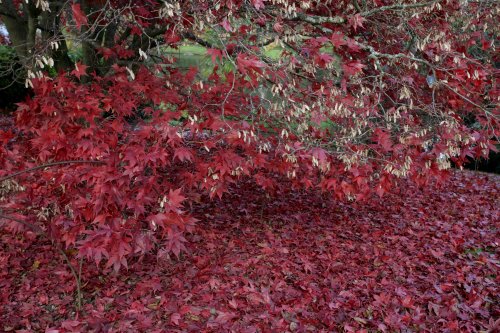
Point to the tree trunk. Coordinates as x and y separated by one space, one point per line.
22 31
18 31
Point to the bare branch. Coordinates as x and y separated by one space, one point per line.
313 19
43 166
33 227
398 7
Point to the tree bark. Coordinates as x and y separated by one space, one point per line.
50 24
18 31
22 31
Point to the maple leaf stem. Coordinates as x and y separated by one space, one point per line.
47 165
77 277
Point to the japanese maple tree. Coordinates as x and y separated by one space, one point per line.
119 139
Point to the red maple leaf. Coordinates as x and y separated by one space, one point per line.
225 24
224 317
175 198
356 21
80 69
258 4
324 59
338 39
183 154
175 242
78 15
174 318
172 38
215 54
352 68
383 138
353 45
246 64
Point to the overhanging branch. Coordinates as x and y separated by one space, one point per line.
314 19
47 165
398 7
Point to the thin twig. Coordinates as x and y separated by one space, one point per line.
43 166
397 7
26 224
77 277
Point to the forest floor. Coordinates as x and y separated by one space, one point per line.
417 260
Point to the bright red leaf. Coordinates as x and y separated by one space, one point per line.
78 15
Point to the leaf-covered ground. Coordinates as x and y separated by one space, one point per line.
416 261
